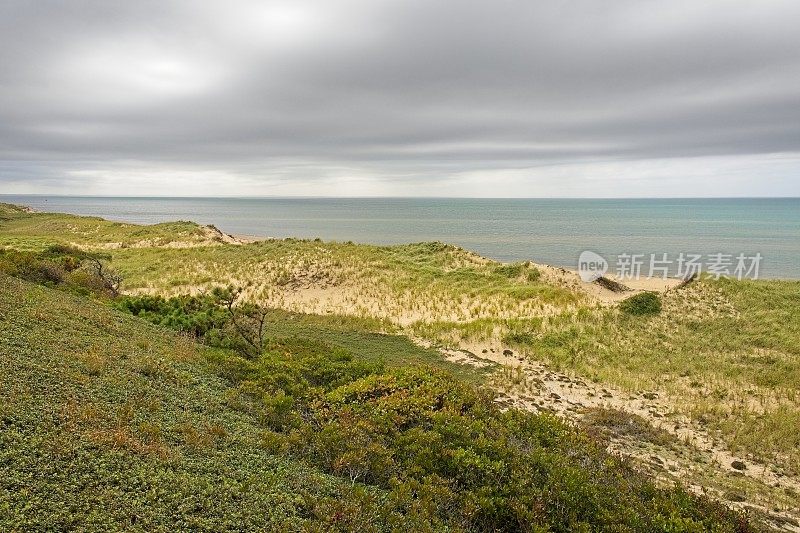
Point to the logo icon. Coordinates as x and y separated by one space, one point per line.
591 266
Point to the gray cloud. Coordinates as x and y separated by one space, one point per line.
411 95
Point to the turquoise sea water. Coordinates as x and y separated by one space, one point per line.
552 231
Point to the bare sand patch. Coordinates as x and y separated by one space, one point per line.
570 279
530 385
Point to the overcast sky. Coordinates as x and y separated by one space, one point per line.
412 98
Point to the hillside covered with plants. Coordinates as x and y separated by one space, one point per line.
112 422
424 372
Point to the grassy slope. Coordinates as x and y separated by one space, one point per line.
399 283
34 231
727 352
359 337
109 422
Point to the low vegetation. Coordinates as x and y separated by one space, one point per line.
401 284
64 267
725 352
208 319
111 422
613 423
25 230
329 388
644 303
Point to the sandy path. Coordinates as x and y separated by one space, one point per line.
568 396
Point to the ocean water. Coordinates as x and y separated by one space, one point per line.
551 231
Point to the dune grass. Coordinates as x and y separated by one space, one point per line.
111 423
401 284
726 352
36 231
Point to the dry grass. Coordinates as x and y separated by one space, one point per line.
725 353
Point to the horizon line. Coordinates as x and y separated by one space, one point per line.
378 197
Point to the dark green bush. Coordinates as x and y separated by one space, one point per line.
197 315
419 450
217 319
510 270
445 457
644 303
59 266
519 338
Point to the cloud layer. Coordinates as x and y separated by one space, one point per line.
508 98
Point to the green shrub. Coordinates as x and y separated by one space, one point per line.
510 270
615 423
306 437
443 454
644 303
59 266
197 315
519 338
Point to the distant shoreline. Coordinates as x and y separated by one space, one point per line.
548 231
489 198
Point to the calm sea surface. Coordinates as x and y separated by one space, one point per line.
553 231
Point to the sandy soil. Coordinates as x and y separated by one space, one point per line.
569 396
570 279
542 390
